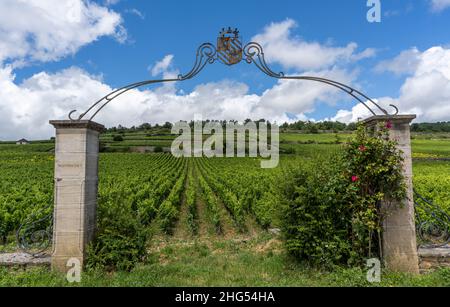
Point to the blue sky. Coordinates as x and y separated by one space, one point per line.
113 43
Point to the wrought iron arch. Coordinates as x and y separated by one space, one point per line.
34 235
229 51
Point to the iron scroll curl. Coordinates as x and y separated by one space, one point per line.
432 223
34 236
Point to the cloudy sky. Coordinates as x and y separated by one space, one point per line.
61 55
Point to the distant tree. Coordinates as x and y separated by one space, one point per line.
351 127
167 125
311 127
158 149
117 138
144 126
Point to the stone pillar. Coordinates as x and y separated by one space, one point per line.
75 196
399 232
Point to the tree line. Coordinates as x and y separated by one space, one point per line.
305 126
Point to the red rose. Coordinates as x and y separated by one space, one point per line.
355 178
389 125
362 148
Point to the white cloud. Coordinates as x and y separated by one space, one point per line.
111 2
425 93
405 63
135 12
163 66
291 52
296 96
439 5
28 106
47 96
35 30
357 113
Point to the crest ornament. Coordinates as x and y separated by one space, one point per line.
229 47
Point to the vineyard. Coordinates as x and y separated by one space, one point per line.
220 195
217 218
190 197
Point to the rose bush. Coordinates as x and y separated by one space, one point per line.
331 207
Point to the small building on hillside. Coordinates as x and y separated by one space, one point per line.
22 142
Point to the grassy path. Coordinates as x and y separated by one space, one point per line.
259 261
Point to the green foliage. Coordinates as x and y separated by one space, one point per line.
221 263
431 127
26 189
121 240
312 127
130 194
316 216
117 138
432 180
289 151
158 149
144 182
332 209
211 202
191 205
169 209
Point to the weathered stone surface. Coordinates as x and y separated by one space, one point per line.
23 259
76 185
435 252
399 234
433 258
275 231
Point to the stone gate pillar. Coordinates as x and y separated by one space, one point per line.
75 196
399 232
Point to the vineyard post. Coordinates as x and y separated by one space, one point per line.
76 184
399 246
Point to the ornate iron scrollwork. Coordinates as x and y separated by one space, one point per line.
432 223
254 54
229 51
34 236
206 54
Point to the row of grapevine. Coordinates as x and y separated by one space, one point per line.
210 199
254 188
227 196
169 209
145 190
26 190
190 202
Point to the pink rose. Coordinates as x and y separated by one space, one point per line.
355 178
389 124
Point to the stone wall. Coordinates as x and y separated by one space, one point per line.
432 258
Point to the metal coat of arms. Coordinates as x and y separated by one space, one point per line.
229 47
